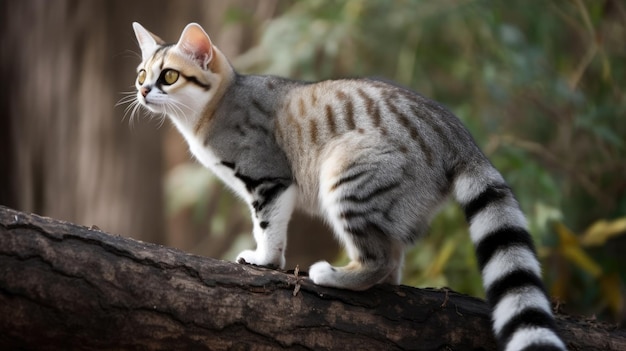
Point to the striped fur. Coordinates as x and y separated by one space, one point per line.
374 160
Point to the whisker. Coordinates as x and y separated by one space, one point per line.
127 96
126 100
138 107
162 118
128 54
176 109
169 107
133 107
183 109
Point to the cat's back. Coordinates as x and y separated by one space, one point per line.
363 120
312 116
347 120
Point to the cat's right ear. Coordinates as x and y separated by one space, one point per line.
147 41
195 43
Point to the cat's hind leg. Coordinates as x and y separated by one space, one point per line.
368 266
397 260
360 274
361 195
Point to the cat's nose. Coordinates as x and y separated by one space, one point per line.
144 91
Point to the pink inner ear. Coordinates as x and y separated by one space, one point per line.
196 43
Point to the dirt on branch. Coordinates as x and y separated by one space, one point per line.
64 286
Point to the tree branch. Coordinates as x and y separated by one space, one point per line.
64 286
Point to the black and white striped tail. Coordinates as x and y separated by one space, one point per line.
521 311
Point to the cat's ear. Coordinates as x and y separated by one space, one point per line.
196 43
147 41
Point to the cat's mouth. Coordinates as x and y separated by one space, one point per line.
151 104
161 103
150 101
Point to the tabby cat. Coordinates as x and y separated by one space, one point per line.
374 160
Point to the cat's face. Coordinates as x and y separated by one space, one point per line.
177 80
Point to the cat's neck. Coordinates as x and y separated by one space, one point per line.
193 124
233 92
225 70
261 94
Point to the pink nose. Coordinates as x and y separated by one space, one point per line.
144 91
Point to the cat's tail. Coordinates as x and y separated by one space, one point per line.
521 311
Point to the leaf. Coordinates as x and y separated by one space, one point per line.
567 238
571 249
603 230
611 287
442 258
577 256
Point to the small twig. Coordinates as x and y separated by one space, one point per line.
446 298
592 50
296 289
557 306
457 310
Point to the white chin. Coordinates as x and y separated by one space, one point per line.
153 108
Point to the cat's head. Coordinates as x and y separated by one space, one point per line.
179 80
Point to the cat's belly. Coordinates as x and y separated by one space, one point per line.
307 202
307 178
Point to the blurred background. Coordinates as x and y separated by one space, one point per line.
541 85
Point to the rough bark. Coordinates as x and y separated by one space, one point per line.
64 286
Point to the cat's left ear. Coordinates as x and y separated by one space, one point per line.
147 41
196 43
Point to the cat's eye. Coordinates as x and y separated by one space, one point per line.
141 76
170 76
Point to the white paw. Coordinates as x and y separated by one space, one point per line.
321 273
260 259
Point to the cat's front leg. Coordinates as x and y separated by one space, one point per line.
271 209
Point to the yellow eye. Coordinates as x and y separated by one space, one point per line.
141 76
170 76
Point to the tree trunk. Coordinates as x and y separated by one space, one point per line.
70 153
64 286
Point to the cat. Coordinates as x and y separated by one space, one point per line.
374 160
